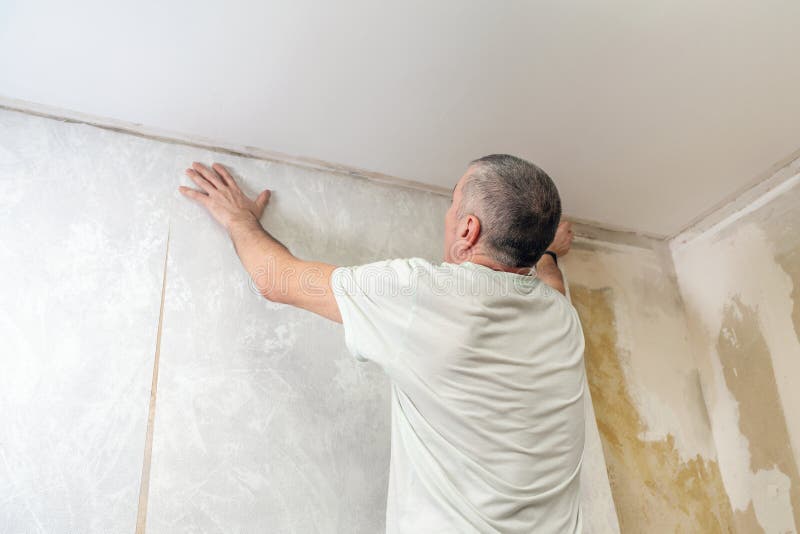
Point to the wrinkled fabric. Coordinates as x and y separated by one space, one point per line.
487 392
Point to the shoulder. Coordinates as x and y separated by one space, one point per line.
386 273
396 265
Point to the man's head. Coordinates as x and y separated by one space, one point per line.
504 208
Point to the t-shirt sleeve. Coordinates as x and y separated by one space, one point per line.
376 302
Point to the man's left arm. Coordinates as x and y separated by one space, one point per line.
277 273
547 267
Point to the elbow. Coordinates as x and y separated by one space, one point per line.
273 295
268 286
271 292
275 283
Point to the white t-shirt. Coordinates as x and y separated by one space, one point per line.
487 384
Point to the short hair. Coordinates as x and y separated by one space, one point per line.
517 204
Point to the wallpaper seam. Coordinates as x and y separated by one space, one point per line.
144 488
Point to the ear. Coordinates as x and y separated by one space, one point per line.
470 230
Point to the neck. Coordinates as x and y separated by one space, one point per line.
486 261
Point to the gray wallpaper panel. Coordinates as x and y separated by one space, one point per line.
83 225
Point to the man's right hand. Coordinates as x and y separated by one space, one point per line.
563 239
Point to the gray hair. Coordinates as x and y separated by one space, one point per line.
517 204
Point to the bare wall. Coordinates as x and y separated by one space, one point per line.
645 389
740 280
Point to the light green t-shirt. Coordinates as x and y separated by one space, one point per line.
487 384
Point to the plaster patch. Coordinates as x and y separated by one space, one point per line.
733 451
742 346
742 263
772 501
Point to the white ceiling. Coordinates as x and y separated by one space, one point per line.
645 113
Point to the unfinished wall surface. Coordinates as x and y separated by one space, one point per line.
645 390
263 422
740 280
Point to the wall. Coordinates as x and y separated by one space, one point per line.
83 232
262 421
645 388
740 279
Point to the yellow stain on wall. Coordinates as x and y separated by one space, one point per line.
653 490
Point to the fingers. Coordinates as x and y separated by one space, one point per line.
195 195
218 181
226 176
208 174
200 180
262 199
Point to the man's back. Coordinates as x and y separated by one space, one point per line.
487 393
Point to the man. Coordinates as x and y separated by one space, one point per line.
484 357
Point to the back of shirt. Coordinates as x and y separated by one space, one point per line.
487 393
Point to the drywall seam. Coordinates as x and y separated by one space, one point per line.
586 228
141 515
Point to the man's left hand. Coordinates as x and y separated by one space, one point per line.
563 240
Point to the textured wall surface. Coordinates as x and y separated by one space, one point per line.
83 228
740 281
263 421
645 390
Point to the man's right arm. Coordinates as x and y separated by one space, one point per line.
547 268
